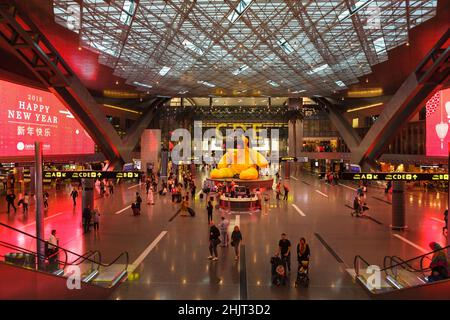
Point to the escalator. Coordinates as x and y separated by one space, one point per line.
402 279
58 274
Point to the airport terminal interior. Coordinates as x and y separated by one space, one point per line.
224 150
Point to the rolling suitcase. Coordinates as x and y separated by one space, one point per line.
191 212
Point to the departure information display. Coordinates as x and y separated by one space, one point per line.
394 176
28 115
92 174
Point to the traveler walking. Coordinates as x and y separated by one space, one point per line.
96 218
150 199
87 218
285 251
10 197
209 209
74 195
25 203
278 190
110 187
214 241
138 201
223 227
236 239
286 192
46 196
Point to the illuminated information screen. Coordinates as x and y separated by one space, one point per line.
395 176
92 174
28 115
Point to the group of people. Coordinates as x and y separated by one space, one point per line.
103 185
281 261
90 216
278 191
175 187
219 234
332 178
24 201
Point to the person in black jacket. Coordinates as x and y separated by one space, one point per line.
209 208
74 195
214 235
10 200
87 214
236 238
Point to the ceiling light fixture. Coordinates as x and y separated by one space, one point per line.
318 69
353 9
140 84
273 83
283 44
239 10
164 71
340 83
240 70
211 85
192 47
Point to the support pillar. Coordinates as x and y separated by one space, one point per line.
298 144
87 194
287 170
40 245
164 163
398 206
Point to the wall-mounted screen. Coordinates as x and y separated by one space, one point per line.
28 115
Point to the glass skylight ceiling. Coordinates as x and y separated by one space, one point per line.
245 47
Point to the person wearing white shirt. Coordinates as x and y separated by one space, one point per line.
52 241
223 227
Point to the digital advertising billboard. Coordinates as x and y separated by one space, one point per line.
28 115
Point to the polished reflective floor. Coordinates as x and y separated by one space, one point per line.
168 259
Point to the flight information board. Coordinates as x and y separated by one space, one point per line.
394 176
92 174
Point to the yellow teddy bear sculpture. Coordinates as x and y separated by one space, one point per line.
240 161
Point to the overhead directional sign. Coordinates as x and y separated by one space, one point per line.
288 159
394 176
92 174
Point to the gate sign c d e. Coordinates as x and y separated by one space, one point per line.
395 176
92 174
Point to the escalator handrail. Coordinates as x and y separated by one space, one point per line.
124 253
415 258
402 264
85 256
355 264
24 250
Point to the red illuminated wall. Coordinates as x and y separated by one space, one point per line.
438 123
28 115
